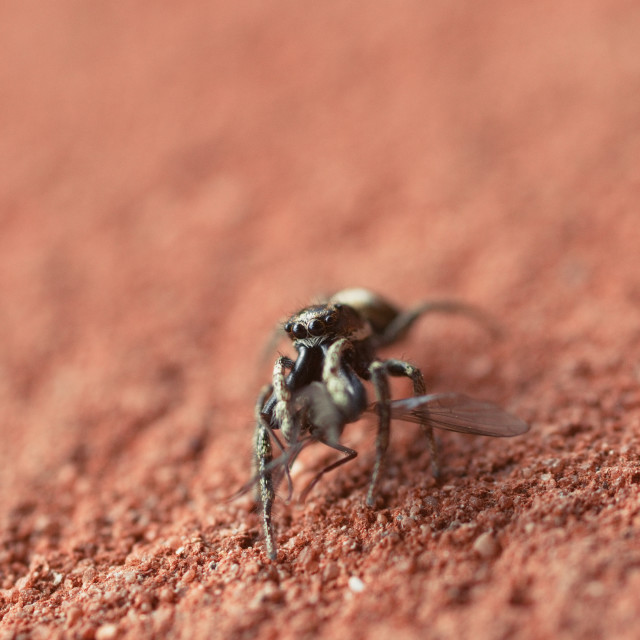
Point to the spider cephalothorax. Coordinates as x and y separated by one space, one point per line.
324 323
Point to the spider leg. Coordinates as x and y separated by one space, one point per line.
283 412
263 459
380 372
399 326
322 409
380 380
401 368
344 388
284 409
268 391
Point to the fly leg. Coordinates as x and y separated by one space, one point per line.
349 454
283 414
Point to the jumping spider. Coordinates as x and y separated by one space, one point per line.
313 397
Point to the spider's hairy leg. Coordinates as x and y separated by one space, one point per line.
323 408
340 388
401 368
283 410
263 459
400 325
380 380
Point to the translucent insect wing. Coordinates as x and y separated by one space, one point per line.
457 412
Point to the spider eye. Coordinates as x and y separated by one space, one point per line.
299 330
287 327
331 318
316 327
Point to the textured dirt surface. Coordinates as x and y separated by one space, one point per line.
177 177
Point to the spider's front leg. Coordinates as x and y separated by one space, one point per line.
284 410
327 406
323 408
282 413
266 484
263 458
348 397
380 372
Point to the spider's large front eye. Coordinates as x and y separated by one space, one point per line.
299 330
316 327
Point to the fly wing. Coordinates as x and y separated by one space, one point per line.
457 412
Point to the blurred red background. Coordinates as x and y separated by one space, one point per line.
174 179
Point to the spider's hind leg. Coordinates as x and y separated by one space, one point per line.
398 327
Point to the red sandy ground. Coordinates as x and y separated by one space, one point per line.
177 177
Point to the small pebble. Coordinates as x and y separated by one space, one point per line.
88 576
356 585
73 615
331 571
166 594
106 632
189 576
486 546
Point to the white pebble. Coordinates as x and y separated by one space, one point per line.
106 632
356 585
